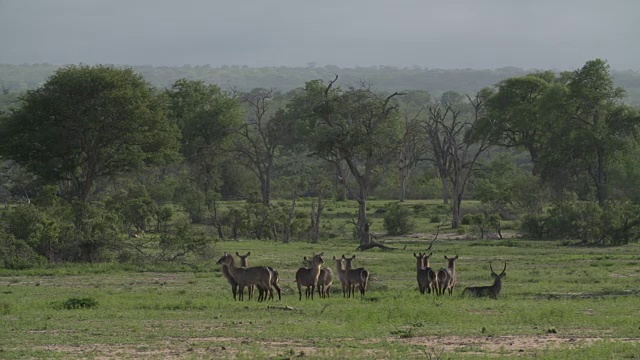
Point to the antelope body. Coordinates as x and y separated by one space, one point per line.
325 279
308 277
342 275
492 291
234 285
258 275
447 277
426 276
275 277
359 277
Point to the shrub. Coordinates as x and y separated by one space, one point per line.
397 220
79 303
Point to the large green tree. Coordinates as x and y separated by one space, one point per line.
208 118
593 126
88 122
359 126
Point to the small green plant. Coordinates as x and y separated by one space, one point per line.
4 308
79 303
397 219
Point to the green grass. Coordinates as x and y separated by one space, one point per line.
558 302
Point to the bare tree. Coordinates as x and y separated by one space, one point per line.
456 146
259 139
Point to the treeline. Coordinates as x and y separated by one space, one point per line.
17 78
98 156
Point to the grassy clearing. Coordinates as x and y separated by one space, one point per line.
557 302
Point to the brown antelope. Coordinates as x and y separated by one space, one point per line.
447 277
359 276
325 280
257 275
275 277
234 285
492 291
308 277
342 275
427 277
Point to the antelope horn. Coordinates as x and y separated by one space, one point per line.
491 267
505 268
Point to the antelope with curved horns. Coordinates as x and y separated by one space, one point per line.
492 291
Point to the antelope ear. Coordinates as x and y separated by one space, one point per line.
248 253
353 257
334 258
430 254
414 255
456 257
343 256
321 254
305 258
446 258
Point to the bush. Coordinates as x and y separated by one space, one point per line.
397 220
615 223
79 303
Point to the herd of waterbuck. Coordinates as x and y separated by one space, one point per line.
314 277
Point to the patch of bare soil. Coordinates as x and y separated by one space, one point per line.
229 348
525 345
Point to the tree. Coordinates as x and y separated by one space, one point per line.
600 120
516 120
261 137
413 145
85 123
208 118
360 127
457 144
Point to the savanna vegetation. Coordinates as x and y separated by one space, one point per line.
119 195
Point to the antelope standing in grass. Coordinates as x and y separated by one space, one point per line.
342 275
447 277
275 277
325 280
259 276
234 285
427 277
492 291
308 277
359 277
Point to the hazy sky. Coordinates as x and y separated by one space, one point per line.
445 34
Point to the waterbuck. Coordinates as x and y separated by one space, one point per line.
359 277
447 277
308 277
492 291
325 280
342 275
427 277
275 277
258 275
234 285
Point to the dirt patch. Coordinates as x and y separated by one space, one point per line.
227 347
526 345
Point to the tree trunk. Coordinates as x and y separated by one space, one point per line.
292 211
363 225
445 190
216 220
316 215
457 206
403 186
601 177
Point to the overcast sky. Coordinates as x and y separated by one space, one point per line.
446 34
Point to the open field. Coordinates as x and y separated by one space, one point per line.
558 302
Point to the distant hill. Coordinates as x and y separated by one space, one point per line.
16 78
